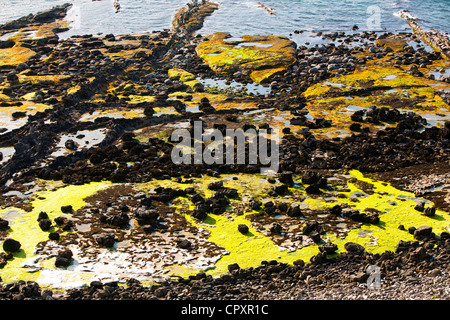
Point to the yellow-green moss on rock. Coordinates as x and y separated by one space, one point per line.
14 56
186 77
259 57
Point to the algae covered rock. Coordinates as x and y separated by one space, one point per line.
15 56
258 57
186 77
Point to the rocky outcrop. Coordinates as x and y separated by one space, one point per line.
259 57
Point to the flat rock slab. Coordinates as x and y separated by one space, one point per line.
258 57
15 56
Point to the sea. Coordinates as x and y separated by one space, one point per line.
290 18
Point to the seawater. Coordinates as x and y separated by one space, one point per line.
240 17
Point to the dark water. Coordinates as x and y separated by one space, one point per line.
241 17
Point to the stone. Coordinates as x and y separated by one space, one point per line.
54 236
71 145
185 244
286 178
4 224
161 292
233 266
66 209
45 224
299 263
106 241
313 189
255 204
215 185
355 248
42 215
315 236
11 245
311 177
328 248
276 228
429 211
420 206
294 211
423 231
242 228
64 259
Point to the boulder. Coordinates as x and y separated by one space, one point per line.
233 266
328 248
106 241
423 231
242 228
11 245
66 209
355 248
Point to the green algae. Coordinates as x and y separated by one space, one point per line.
185 77
15 56
25 228
259 57
389 87
396 208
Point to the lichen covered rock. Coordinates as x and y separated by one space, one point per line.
259 57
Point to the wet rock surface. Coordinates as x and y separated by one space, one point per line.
103 109
413 272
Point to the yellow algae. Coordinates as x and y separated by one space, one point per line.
186 77
180 270
126 54
394 42
183 75
134 99
28 107
15 56
246 250
4 97
259 57
45 30
25 228
52 78
337 98
236 104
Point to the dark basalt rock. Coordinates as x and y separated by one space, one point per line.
146 215
11 245
423 231
294 211
354 248
45 224
242 228
311 177
328 248
121 220
185 244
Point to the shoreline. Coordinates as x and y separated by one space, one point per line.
357 112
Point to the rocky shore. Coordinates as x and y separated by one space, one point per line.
417 271
86 161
